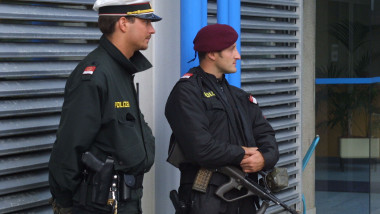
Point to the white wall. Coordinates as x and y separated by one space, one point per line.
166 73
155 86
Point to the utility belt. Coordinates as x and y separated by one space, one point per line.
102 185
191 174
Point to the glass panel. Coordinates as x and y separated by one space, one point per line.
375 110
345 97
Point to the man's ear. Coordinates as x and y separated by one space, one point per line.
211 55
122 24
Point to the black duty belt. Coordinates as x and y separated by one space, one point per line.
132 181
188 176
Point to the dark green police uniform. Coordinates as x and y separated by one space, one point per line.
101 114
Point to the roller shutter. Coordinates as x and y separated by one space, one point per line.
271 71
40 44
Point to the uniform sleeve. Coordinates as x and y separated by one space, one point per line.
80 122
265 138
149 146
186 115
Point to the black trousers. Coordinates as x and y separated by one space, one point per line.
209 203
130 207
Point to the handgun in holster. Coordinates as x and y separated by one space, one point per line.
100 178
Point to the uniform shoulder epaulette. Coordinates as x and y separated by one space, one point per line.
187 76
88 72
252 99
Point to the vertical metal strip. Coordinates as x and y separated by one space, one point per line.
228 12
222 12
234 21
192 18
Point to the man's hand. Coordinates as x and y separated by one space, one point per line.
253 160
57 209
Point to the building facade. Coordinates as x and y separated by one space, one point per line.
41 41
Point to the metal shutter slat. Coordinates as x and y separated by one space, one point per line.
21 201
284 148
28 125
89 2
285 135
276 99
266 88
31 87
267 37
267 25
252 51
13 146
284 123
23 163
273 2
279 111
259 76
36 69
268 12
23 182
48 32
268 63
27 12
35 50
30 106
40 210
287 159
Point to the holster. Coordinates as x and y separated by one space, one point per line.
101 182
127 183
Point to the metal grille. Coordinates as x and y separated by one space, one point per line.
41 42
270 70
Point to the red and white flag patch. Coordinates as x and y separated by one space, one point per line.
89 70
252 99
187 75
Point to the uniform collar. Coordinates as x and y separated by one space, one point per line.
212 77
135 64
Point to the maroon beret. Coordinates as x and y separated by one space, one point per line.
214 37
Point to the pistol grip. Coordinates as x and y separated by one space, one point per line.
232 184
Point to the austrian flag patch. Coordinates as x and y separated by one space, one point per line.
252 99
187 75
89 70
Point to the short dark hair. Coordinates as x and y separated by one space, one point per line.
201 56
106 24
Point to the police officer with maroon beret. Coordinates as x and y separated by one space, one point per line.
216 124
104 146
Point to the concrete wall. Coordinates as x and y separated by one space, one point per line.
166 74
308 101
155 86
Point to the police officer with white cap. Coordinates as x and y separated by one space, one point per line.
101 118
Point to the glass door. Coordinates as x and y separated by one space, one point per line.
375 110
347 101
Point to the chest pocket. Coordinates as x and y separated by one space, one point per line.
126 118
213 104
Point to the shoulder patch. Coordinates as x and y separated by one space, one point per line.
89 70
252 99
187 76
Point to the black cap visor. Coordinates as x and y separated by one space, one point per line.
150 16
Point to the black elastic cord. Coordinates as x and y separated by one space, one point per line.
194 57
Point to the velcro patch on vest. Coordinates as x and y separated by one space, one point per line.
187 76
252 99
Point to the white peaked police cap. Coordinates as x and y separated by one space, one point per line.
137 8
